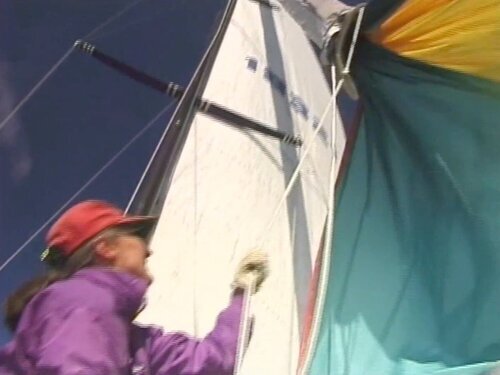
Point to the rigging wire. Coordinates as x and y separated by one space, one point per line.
92 179
134 23
111 19
297 170
35 88
52 70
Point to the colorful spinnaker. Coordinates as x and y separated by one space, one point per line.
412 282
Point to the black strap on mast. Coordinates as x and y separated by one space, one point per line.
210 108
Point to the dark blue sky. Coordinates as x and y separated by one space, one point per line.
85 113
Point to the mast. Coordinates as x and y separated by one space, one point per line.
158 174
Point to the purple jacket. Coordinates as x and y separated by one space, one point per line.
82 326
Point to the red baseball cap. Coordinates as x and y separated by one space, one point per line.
87 219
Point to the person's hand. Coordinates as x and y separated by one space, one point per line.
253 268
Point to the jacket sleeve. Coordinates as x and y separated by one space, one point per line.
180 354
77 342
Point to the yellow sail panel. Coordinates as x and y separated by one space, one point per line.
460 35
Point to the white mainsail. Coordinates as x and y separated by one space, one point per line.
228 183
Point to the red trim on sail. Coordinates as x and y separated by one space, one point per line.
314 284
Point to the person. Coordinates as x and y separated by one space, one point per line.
78 318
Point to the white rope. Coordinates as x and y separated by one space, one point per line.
245 316
92 179
331 202
297 170
354 40
325 264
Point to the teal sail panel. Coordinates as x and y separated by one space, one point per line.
413 279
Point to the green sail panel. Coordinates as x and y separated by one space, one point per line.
414 275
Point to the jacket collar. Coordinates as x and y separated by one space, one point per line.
128 289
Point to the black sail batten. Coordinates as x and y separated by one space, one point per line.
125 69
240 121
154 186
212 109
